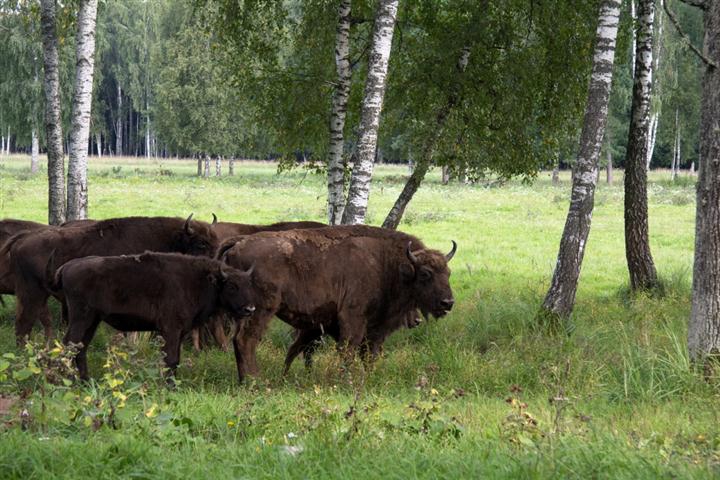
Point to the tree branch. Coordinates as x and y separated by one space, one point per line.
684 36
696 3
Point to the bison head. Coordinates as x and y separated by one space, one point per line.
237 293
198 238
429 278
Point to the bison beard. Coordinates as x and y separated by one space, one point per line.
382 276
167 293
29 255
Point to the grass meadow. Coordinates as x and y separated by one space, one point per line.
480 393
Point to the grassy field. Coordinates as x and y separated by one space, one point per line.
480 393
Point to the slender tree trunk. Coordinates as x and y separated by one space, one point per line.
207 166
359 191
119 124
218 166
53 119
640 263
609 168
704 326
98 142
231 166
692 168
7 147
655 113
411 186
678 139
445 175
336 165
199 166
556 175
560 299
35 152
82 103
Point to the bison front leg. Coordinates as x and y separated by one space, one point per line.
172 351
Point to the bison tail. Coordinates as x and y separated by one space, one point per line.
53 277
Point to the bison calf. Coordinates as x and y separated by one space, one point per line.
164 292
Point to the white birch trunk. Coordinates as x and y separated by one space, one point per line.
81 107
53 120
336 165
231 166
704 325
218 166
655 115
609 168
207 166
641 267
7 146
560 299
98 143
359 191
35 151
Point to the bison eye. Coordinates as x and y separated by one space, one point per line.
424 274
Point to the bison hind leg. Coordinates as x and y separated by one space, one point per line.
307 342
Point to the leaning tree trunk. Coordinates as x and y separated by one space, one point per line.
359 191
82 103
640 264
560 299
411 186
53 120
35 152
704 327
336 165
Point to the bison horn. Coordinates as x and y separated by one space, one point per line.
187 227
451 254
214 222
223 273
411 255
249 271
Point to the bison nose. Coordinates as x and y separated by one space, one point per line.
248 310
447 303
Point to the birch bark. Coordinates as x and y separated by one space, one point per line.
359 191
560 299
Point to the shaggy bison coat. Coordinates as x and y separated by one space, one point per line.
167 293
357 283
8 228
29 254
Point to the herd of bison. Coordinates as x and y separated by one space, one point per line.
357 284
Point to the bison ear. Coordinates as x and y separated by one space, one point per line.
407 272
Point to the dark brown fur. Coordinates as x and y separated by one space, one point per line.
215 328
8 228
355 282
163 292
29 255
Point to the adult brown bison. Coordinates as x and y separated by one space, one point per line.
29 254
225 231
358 283
163 292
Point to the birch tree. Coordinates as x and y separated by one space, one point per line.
704 326
53 119
411 186
77 203
359 190
336 165
640 264
560 299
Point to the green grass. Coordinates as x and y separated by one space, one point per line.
436 404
